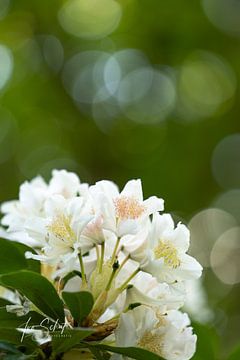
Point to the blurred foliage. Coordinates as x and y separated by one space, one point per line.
42 127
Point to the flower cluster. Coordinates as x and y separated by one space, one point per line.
130 257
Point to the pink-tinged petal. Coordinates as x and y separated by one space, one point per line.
133 188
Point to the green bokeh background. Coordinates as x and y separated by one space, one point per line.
47 130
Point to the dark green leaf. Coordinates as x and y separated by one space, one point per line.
71 275
38 290
6 347
4 302
207 342
235 355
15 337
132 352
65 340
33 265
11 259
100 354
9 320
19 356
79 303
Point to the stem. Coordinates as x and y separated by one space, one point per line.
102 257
124 285
114 271
98 255
84 280
123 263
115 250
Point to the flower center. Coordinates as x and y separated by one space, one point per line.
151 342
166 250
128 207
61 228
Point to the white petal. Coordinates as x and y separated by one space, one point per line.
153 205
133 188
64 183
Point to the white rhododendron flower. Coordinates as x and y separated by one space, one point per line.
115 245
167 335
123 212
168 245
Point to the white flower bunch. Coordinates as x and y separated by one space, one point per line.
117 246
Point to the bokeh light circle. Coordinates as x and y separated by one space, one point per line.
226 162
53 52
206 227
230 202
83 76
152 101
6 65
4 8
225 257
206 83
224 14
90 19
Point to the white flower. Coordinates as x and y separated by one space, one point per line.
31 198
123 212
147 290
168 260
64 183
60 232
167 335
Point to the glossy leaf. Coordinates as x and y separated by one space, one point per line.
79 303
67 339
38 290
207 342
33 265
11 258
15 337
132 352
10 320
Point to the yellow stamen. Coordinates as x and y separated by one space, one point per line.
128 208
61 228
151 342
168 252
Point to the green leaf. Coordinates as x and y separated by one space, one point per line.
207 342
4 302
79 303
33 265
235 355
100 354
6 347
67 339
132 352
19 356
10 320
71 275
38 290
15 337
11 258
